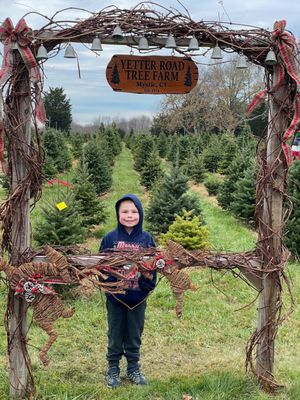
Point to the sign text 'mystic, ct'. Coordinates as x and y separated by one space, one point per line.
151 74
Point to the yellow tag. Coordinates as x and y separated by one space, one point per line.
61 206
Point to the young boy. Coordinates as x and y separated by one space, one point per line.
126 312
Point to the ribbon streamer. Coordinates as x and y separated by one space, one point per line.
287 45
61 182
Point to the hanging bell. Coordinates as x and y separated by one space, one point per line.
241 63
216 53
143 44
96 44
117 33
70 52
271 58
42 53
170 43
193 45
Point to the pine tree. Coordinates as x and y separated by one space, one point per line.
162 145
151 172
198 170
292 228
228 144
188 78
60 227
98 167
244 196
89 206
142 151
187 230
235 171
194 168
115 75
77 140
56 150
58 109
168 199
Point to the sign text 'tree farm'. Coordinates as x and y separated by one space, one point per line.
151 74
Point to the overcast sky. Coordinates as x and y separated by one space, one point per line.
91 96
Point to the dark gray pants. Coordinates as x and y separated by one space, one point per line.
125 328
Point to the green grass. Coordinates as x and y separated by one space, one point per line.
202 354
226 233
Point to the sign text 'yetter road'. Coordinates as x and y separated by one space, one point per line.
151 74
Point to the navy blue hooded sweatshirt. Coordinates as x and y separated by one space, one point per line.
138 287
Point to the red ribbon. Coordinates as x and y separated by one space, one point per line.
287 46
58 181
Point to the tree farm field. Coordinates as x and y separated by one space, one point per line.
201 355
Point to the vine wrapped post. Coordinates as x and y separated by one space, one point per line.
271 183
20 375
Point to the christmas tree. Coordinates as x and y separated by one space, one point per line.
244 196
99 169
168 199
151 172
61 222
235 171
187 230
188 78
115 75
142 150
89 206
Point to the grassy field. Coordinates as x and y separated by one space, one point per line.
201 355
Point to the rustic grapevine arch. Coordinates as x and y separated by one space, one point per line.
21 82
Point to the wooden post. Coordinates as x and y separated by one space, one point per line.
20 376
270 239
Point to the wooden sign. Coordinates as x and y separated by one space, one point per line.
151 74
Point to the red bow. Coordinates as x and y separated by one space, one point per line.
18 38
8 33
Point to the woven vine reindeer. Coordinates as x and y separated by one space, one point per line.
32 280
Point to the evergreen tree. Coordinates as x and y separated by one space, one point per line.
58 156
77 141
89 206
115 75
142 151
168 199
63 160
151 172
198 170
244 196
292 228
213 184
60 227
235 171
172 151
98 167
194 168
228 144
188 78
49 168
187 230
58 109
162 145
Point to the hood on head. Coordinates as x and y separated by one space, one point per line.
138 204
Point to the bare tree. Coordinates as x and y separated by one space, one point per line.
218 101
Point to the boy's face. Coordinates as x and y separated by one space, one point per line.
128 214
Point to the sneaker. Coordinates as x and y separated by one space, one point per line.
113 378
137 377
